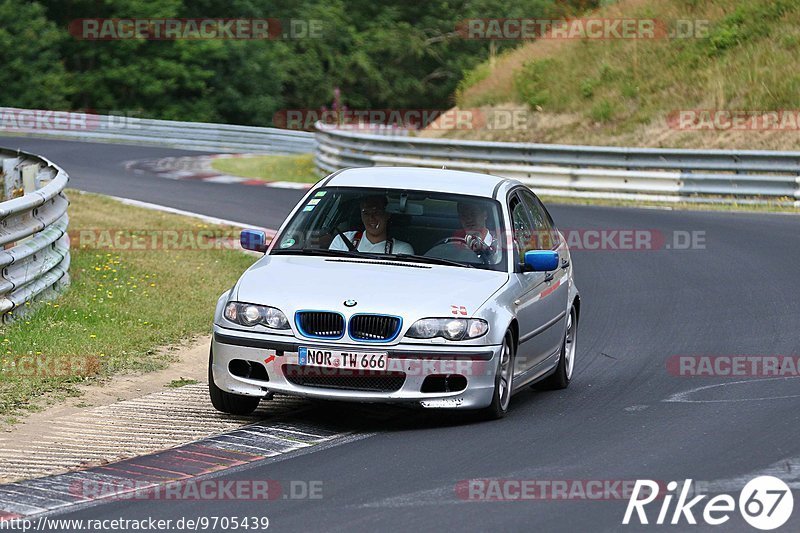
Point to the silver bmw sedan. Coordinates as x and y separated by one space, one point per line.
445 289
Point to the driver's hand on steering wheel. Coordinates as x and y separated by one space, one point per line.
473 242
476 244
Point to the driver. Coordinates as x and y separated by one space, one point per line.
472 216
374 238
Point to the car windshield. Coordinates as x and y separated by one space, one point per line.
414 226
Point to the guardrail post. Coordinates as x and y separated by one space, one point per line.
28 174
12 185
12 181
27 178
797 192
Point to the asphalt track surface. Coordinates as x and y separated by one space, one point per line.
738 295
98 168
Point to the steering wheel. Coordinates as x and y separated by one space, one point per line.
451 240
482 253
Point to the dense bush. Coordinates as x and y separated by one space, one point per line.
394 54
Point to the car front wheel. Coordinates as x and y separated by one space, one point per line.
503 381
566 364
233 404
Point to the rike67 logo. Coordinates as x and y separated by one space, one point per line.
765 503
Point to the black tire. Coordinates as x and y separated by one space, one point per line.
562 377
232 404
503 386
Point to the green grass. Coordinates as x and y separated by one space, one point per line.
122 304
730 205
182 382
739 49
748 59
298 168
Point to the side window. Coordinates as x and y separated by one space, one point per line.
545 235
522 230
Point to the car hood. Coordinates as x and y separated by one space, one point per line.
409 290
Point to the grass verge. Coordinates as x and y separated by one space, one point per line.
125 301
724 55
297 168
676 206
181 382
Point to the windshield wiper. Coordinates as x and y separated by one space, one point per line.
426 259
367 255
317 251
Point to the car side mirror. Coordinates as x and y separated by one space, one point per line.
253 239
541 260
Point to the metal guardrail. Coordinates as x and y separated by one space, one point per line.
200 136
723 176
34 244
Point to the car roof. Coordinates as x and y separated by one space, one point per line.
424 179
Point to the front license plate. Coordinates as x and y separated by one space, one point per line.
342 359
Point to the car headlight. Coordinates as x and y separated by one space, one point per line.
251 315
452 329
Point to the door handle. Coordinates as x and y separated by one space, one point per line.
548 276
565 263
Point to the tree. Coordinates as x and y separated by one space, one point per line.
31 71
392 54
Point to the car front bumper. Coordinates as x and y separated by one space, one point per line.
478 364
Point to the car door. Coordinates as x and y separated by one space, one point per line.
540 302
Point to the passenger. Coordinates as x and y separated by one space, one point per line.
373 239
